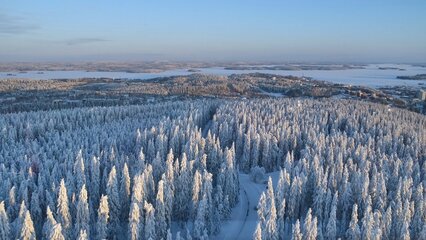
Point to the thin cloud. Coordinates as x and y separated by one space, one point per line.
79 41
15 25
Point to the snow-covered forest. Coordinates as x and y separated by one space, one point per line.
171 170
348 169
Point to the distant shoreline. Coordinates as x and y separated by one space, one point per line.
296 67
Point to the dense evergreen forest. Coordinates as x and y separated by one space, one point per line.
171 170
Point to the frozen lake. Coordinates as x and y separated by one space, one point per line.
370 76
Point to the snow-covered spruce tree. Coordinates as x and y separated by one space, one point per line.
196 191
27 229
12 210
387 224
49 224
296 233
148 184
419 213
138 191
310 230
183 191
258 232
4 223
262 210
200 225
169 235
82 221
113 203
281 219
178 237
63 213
255 151
95 182
169 189
56 233
160 212
140 163
377 228
295 198
125 192
103 218
79 170
135 223
217 210
271 231
354 232
331 229
36 214
257 174
210 206
226 213
231 187
367 223
149 230
82 235
245 159
16 225
158 166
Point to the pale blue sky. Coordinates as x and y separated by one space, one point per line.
214 30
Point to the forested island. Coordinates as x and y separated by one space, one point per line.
415 77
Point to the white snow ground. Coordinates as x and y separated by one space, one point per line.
271 94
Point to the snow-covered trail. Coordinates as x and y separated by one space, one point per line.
242 223
252 191
231 229
206 129
244 216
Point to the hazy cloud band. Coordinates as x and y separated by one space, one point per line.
15 25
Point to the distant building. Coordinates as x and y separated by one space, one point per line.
422 95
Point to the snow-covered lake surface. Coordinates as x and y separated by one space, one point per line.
370 76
